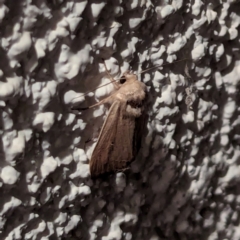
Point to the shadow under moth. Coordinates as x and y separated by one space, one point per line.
120 136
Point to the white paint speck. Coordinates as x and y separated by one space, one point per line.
9 175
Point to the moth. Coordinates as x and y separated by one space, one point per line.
189 91
120 136
190 96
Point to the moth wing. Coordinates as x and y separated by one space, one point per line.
105 141
113 150
123 151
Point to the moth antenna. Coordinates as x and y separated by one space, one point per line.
93 106
108 73
114 81
164 65
110 76
84 94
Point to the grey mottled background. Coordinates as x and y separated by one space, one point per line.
184 183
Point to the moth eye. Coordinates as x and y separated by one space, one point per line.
122 80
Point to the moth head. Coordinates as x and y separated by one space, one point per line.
129 76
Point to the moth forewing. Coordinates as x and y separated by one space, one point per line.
119 137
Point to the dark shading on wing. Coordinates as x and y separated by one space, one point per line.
114 149
140 124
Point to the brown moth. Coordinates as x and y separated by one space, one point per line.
120 136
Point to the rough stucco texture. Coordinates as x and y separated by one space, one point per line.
184 183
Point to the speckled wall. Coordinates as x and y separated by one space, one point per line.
184 182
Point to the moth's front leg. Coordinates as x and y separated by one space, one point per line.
115 84
107 100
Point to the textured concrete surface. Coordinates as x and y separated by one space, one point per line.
184 183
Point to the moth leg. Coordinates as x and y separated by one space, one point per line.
104 101
115 84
